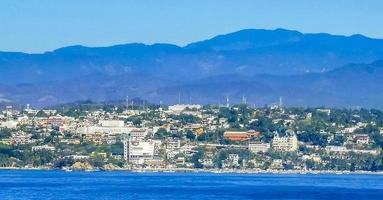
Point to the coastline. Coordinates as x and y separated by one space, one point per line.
188 170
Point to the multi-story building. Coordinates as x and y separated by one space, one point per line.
138 151
287 142
43 147
112 123
336 149
362 138
12 124
257 147
138 133
173 146
178 108
240 135
173 143
21 138
105 126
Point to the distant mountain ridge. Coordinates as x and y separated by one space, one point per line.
354 85
249 52
259 64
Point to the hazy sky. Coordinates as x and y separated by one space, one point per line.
43 25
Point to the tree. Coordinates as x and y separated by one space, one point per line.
136 121
313 138
97 161
41 114
65 162
5 133
378 139
120 110
190 135
338 140
117 148
196 157
262 124
223 154
186 119
5 161
42 157
228 113
310 164
161 134
215 136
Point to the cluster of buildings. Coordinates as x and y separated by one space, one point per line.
163 137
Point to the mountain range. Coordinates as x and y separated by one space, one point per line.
253 64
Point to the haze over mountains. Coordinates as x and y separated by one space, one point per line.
262 65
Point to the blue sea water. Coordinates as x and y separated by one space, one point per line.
18 184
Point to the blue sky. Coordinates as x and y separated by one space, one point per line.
44 25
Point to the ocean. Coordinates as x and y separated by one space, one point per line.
29 184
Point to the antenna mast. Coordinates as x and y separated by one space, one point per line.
127 102
227 101
244 99
280 102
179 97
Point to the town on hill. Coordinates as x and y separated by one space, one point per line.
191 137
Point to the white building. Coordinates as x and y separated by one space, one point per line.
21 138
137 152
288 142
43 147
112 123
336 149
343 149
173 143
362 139
11 124
102 129
173 147
178 108
256 147
138 133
